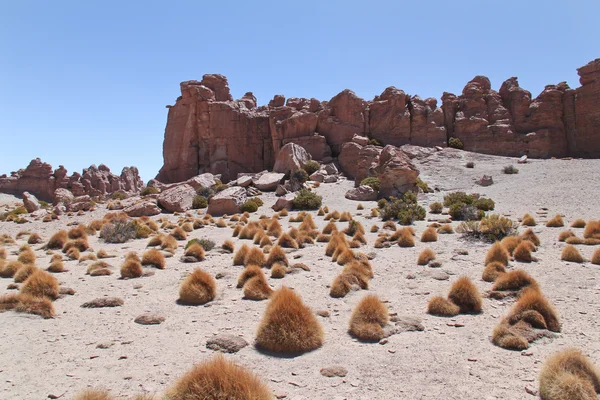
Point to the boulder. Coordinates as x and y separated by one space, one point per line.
201 181
290 158
142 209
81 203
62 196
178 198
330 179
485 180
244 181
396 172
286 201
362 193
268 182
227 201
361 140
30 202
281 190
226 343
317 176
329 169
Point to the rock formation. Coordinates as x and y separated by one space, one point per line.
207 131
41 180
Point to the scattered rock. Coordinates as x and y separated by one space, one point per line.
286 202
80 203
244 181
178 198
362 193
522 160
323 313
407 323
202 181
334 371
227 201
226 343
30 202
142 209
149 319
103 302
268 182
485 180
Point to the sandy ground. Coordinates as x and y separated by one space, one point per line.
60 356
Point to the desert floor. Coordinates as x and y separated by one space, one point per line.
453 358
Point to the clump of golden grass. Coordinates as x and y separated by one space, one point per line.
96 224
34 238
360 207
390 225
73 253
288 325
497 253
6 239
406 238
99 268
77 233
41 284
596 257
445 229
329 228
219 378
425 257
256 288
189 227
368 319
276 255
532 237
354 227
429 235
155 258
249 231
8 269
344 255
240 255
533 300
528 220
198 288
569 375
466 296
345 216
86 257
178 233
374 229
592 230
374 213
156 240
574 240
523 252
80 244
27 256
442 307
320 213
26 303
2 253
514 280
307 224
21 234
564 235
265 241
283 213
342 284
58 240
492 271
337 239
56 257
503 336
570 253
228 246
249 272
24 272
360 271
274 228
321 238
56 267
255 256
578 223
132 255
260 233
278 271
103 254
169 243
555 222
360 237
287 241
510 243
195 250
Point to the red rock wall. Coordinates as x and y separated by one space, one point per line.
207 131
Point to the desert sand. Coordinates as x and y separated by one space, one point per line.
452 358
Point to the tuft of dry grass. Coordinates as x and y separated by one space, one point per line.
283 213
307 224
374 229
169 243
570 253
77 233
156 240
24 272
87 257
528 220
10 268
278 271
345 216
189 227
34 238
531 299
288 325
342 284
2 253
360 237
240 256
228 246
425 257
429 235
249 272
257 288
103 254
497 253
99 268
578 223
510 243
27 256
236 230
80 244
514 280
346 255
178 233
442 307
195 250
337 239
265 241
258 236
575 240
502 336
330 228
132 255
466 296
406 238
73 253
56 267
131 268
569 375
274 229
532 237
555 222
523 252
564 235
492 271
321 238
445 229
287 241
255 256
368 319
276 255
198 288
596 257
218 378
360 271
155 258
592 230
41 284
26 303
58 240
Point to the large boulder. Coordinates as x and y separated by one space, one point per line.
62 196
362 193
228 201
80 203
268 182
396 172
30 202
286 201
202 181
290 158
178 198
142 209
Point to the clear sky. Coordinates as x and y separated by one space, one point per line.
86 82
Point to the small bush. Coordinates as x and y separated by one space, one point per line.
299 176
199 202
528 220
119 231
373 182
375 142
118 196
311 167
219 187
489 229
406 210
368 319
484 204
556 222
249 206
466 296
465 212
198 288
423 186
458 197
570 253
148 190
307 200
510 169
425 257
455 143
470 164
436 208
206 244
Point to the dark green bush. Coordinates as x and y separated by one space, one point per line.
205 192
381 203
457 197
510 169
311 167
406 209
436 208
455 143
219 187
307 200
423 186
375 142
119 231
484 204
118 196
299 175
257 200
465 212
199 202
490 229
206 244
249 206
373 182
149 190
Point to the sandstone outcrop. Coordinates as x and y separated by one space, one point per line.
42 181
207 131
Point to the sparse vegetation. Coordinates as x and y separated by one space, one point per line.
510 169
436 208
368 319
569 375
311 166
154 258
490 228
373 182
149 190
199 202
455 143
307 200
406 209
555 222
119 231
570 253
198 288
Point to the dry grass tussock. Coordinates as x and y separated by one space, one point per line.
425 257
570 253
445 229
276 255
219 378
80 244
555 222
307 224
41 284
287 241
131 268
256 288
228 246
569 375
429 235
198 288
255 256
240 255
374 229
531 236
73 253
27 256
406 238
154 258
249 231
492 271
532 300
288 325
34 238
178 233
24 272
592 230
578 223
278 271
523 252
368 319
564 235
26 303
99 268
528 220
442 307
466 296
497 253
56 267
57 240
596 257
9 269
87 257
195 250
510 243
514 280
77 233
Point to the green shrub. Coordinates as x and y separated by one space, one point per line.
206 244
205 192
381 203
373 182
311 167
118 196
257 200
406 209
490 228
375 142
409 213
457 197
249 206
423 186
484 204
299 175
219 187
465 212
43 204
149 190
199 202
510 169
436 208
119 231
307 200
14 215
455 143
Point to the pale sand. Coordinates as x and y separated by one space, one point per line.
60 356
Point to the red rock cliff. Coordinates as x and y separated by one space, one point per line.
207 131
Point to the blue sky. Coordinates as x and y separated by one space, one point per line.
86 82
